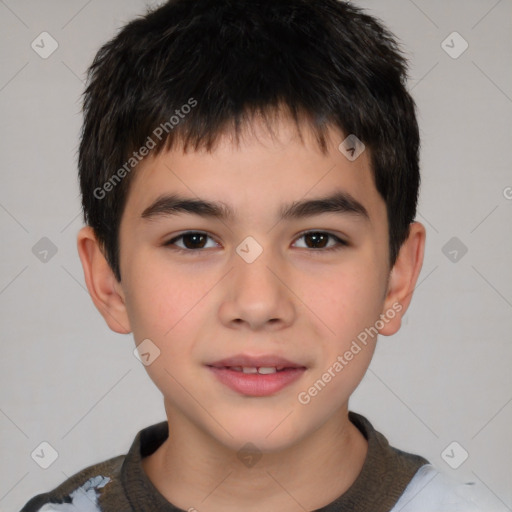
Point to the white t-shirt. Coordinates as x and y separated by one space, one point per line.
433 491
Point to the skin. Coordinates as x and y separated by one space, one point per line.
295 300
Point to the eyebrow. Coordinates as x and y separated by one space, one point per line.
339 202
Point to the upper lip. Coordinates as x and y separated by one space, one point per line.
265 361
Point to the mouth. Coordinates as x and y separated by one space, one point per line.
262 370
256 376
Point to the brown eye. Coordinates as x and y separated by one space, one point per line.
320 240
190 241
317 240
194 240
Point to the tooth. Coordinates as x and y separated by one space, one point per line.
266 370
236 368
247 369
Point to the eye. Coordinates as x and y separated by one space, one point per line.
319 240
194 241
190 241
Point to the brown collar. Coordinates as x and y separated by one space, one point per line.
384 476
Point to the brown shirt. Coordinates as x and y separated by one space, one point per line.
121 485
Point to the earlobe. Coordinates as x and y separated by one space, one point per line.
105 291
403 278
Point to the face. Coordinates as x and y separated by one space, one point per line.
253 280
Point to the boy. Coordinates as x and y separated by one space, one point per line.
249 174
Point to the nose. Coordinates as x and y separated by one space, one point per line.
258 296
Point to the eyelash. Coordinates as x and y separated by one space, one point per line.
339 242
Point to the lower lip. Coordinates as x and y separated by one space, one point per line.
255 384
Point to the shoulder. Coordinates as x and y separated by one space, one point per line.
103 487
433 491
86 491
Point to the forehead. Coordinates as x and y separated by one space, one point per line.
265 168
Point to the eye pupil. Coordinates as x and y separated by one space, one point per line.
315 238
195 237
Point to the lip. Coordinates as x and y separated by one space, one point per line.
256 361
256 385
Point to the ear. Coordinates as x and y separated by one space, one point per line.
106 292
403 278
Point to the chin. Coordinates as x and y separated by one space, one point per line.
266 434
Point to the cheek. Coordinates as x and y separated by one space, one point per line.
346 300
158 300
348 304
162 307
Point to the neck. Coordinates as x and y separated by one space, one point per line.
193 471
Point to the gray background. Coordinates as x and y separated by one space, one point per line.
69 381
